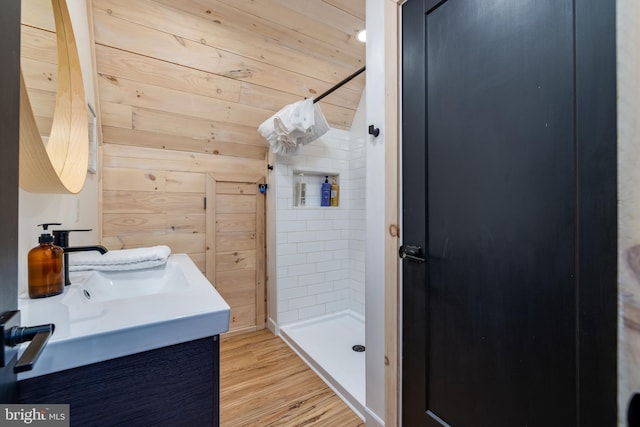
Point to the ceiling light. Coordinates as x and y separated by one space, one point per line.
362 36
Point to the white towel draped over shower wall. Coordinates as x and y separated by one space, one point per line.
297 123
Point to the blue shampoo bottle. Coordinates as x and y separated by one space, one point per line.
326 192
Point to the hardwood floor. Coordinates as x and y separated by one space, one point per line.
264 383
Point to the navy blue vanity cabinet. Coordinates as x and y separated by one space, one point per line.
176 385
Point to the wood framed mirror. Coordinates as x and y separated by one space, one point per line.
53 162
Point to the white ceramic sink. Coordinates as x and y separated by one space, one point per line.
104 315
100 286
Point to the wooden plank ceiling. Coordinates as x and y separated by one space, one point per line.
201 75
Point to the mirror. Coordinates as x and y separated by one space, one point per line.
53 109
39 61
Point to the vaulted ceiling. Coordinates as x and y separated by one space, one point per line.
201 75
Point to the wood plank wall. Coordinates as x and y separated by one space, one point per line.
165 127
182 88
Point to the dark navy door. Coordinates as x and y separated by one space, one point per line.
509 190
9 137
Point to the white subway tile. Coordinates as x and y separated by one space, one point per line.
318 225
357 245
301 270
310 214
298 303
320 163
283 181
357 276
319 256
287 282
341 254
337 274
287 249
286 215
358 163
309 279
342 134
341 284
316 150
340 164
356 307
359 297
320 288
335 213
311 247
332 307
356 215
313 311
359 288
356 255
358 266
331 245
289 226
283 203
301 236
328 265
281 238
339 224
357 234
281 271
289 260
329 235
291 293
332 296
288 316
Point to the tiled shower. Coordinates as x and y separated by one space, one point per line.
320 250
320 255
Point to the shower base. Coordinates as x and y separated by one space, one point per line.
326 344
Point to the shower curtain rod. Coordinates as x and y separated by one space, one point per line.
339 85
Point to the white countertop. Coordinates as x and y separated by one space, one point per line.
98 329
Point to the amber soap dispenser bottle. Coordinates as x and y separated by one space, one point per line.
46 270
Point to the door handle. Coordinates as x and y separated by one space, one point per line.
411 253
12 335
38 337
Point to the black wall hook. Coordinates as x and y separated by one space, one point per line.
374 131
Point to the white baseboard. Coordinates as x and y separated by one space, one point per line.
372 419
273 326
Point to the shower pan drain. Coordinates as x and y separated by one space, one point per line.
359 348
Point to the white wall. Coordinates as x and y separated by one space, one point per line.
375 207
73 211
357 209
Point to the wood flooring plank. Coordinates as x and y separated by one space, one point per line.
264 383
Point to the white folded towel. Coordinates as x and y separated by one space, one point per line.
118 260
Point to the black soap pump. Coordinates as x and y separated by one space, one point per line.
46 269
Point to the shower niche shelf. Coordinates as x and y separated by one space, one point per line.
313 179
